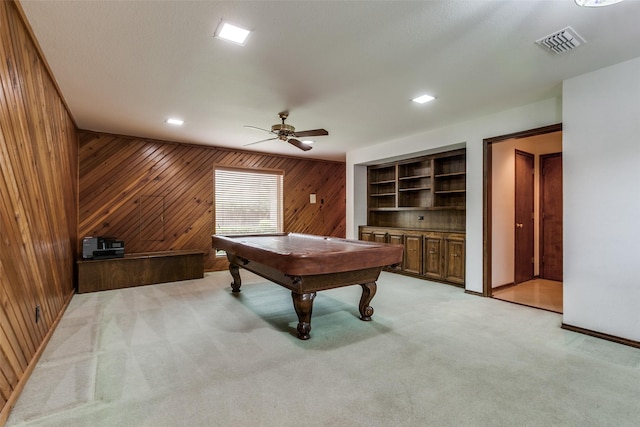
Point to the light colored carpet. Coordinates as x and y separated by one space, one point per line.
192 354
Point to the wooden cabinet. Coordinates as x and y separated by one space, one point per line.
428 254
139 269
421 203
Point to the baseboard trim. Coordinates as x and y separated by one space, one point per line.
13 397
505 286
601 335
478 294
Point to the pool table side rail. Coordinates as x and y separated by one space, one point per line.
306 254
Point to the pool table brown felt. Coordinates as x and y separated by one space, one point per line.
306 264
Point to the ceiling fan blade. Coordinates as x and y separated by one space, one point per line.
313 132
257 128
300 145
262 140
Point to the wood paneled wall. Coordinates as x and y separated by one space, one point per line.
127 183
38 205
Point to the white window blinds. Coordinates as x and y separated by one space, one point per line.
247 201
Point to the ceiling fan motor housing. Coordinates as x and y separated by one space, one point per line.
283 129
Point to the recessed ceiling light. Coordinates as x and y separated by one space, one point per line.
308 142
423 98
232 33
175 122
596 3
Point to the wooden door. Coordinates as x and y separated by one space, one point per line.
524 233
433 256
551 216
413 254
454 259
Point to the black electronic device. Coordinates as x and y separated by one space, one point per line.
102 248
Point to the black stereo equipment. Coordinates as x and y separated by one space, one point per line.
102 248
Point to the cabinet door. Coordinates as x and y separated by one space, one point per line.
454 259
367 236
396 239
413 254
380 237
433 257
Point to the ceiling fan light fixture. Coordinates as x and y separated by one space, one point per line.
232 33
596 3
423 99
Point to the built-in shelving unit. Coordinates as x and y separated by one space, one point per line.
432 182
450 181
421 204
382 187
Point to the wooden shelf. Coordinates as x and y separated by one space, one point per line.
452 174
406 178
450 191
414 189
435 183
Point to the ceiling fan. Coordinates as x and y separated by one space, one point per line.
288 133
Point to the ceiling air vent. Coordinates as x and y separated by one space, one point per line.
561 41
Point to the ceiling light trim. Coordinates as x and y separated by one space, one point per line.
422 99
174 121
232 33
596 3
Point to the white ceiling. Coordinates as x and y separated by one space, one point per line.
350 67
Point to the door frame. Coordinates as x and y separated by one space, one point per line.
486 196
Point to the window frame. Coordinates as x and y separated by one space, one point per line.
254 171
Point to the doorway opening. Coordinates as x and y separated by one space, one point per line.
523 218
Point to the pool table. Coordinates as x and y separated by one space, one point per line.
306 264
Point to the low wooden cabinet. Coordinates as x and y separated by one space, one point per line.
431 255
139 269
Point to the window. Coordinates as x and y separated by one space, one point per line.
247 201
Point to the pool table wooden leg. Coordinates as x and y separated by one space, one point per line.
235 273
368 292
303 303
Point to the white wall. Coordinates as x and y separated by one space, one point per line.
469 134
601 145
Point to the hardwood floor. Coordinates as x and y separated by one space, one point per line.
538 293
